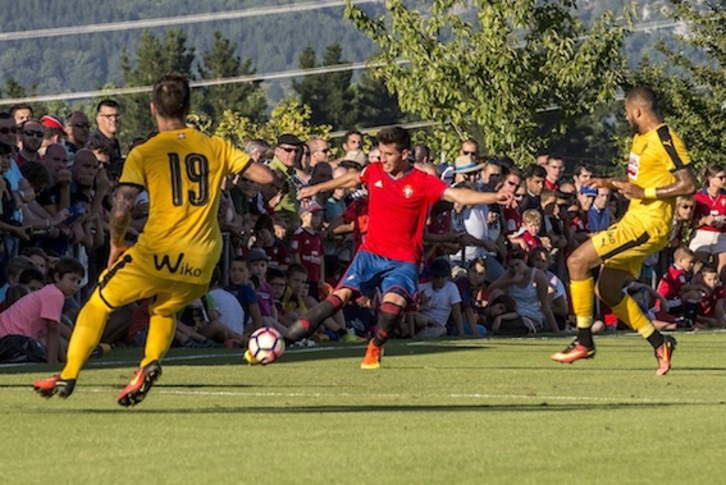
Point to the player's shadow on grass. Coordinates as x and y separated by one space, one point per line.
543 407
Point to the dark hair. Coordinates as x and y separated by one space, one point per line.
96 143
31 274
710 171
534 253
107 102
16 107
510 304
5 149
644 96
516 254
67 265
172 96
296 268
37 174
535 170
351 132
18 264
396 135
264 221
33 250
273 273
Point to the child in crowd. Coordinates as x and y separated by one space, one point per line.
528 238
307 245
275 248
711 311
37 317
683 297
473 292
500 317
257 261
15 266
438 300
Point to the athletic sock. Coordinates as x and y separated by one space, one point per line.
630 313
583 305
86 335
159 338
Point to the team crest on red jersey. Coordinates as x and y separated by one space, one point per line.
407 191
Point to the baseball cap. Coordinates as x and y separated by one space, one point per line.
589 191
53 122
289 139
257 254
356 156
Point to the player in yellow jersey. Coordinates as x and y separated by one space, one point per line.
658 172
182 169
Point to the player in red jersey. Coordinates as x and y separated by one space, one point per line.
399 201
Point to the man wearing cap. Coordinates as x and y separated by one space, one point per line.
466 169
283 164
400 198
53 132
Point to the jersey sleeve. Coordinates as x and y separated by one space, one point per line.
434 187
236 160
132 171
676 154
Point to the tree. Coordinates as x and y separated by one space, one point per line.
692 88
490 77
248 99
154 58
329 95
374 104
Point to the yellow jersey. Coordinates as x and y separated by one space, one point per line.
654 157
182 171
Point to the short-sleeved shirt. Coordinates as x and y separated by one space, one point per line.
28 315
397 210
357 212
309 246
183 171
707 205
440 301
654 157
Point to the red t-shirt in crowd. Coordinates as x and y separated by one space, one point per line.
670 285
705 205
310 248
357 211
397 211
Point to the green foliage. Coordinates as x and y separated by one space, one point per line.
492 76
329 95
693 94
154 57
248 99
289 116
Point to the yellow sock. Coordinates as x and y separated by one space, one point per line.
86 335
159 338
629 312
583 301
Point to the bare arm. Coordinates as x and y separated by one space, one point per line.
544 300
685 184
123 202
259 173
458 319
347 181
471 197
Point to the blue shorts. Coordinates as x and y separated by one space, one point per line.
368 271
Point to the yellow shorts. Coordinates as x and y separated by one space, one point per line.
128 281
625 245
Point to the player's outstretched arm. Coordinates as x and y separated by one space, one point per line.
259 173
123 202
347 181
472 197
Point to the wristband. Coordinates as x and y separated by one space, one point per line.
649 193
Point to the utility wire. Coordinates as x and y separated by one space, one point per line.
658 25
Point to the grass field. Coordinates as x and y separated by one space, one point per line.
456 411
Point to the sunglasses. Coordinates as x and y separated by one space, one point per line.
685 206
37 134
324 150
82 125
287 149
5 130
471 154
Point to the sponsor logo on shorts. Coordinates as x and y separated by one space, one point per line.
180 267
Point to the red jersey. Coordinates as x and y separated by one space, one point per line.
512 220
670 285
310 248
357 211
397 211
705 205
531 241
708 303
551 185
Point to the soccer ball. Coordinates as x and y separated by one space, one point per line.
266 345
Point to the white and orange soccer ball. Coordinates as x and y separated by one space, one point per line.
266 345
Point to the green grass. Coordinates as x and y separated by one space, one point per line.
466 411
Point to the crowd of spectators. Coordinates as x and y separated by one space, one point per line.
487 269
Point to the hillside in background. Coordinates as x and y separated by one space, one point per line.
273 42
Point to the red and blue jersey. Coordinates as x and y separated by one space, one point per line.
397 210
